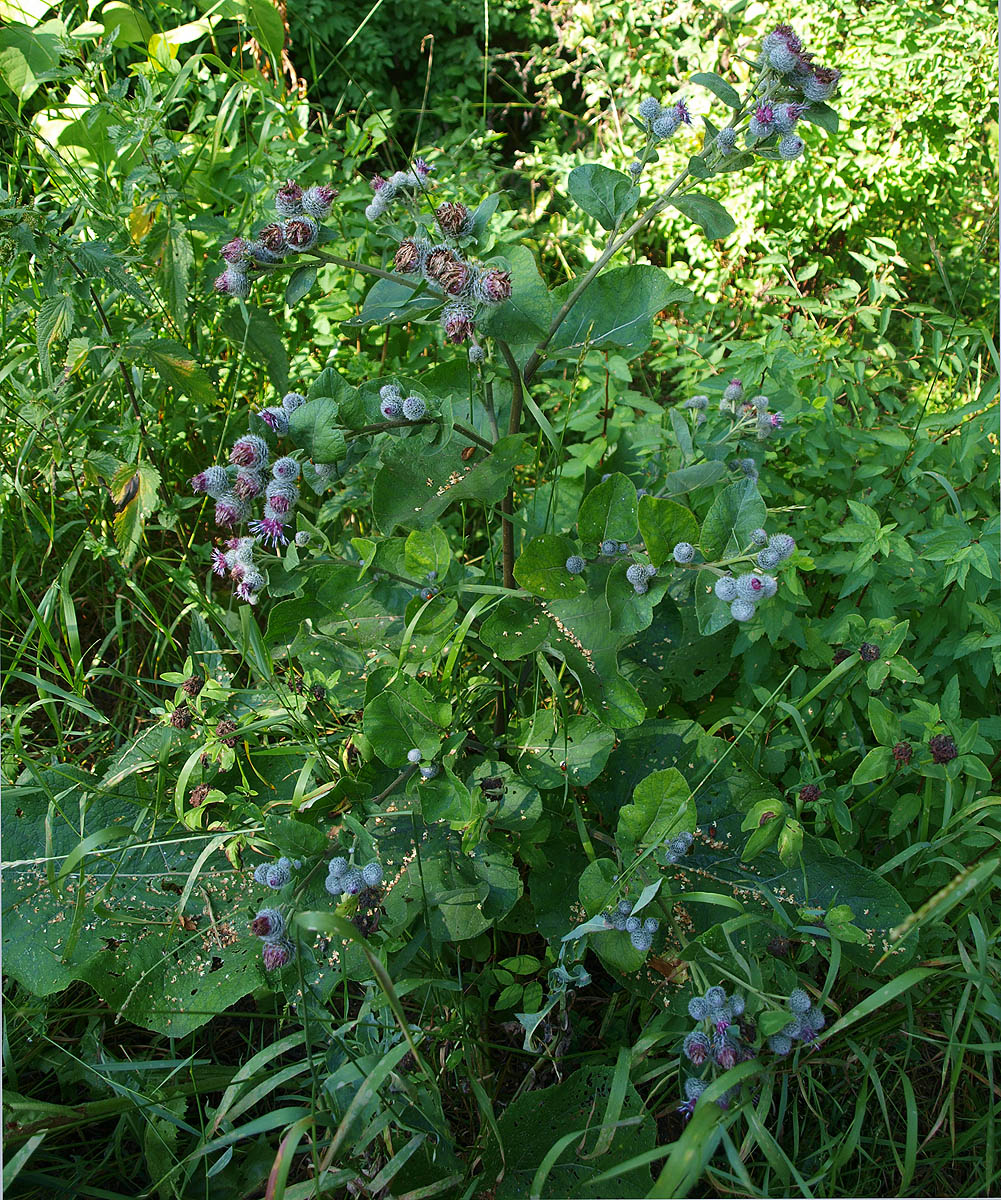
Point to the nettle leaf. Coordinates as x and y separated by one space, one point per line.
608 511
664 523
403 717
136 493
300 281
389 303
313 427
419 481
516 627
662 806
736 511
553 753
706 212
718 86
177 366
526 316
602 193
541 568
617 309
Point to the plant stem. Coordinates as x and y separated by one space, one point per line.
513 425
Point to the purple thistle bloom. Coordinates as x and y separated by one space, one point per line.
233 282
249 451
422 169
230 510
276 420
301 233
288 201
237 252
249 485
213 481
316 201
219 565
272 240
282 497
270 531
681 108
687 1107
244 593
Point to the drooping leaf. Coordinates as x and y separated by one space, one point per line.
602 193
526 315
617 309
706 212
299 284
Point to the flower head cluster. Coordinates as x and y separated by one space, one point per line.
716 1039
344 879
385 191
639 575
640 931
790 81
394 405
296 231
746 591
807 1022
274 875
677 847
661 122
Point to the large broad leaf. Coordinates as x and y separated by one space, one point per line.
662 806
404 717
718 86
663 524
28 56
516 627
707 212
602 193
313 426
713 613
541 568
617 309
735 512
389 303
608 512
419 481
525 317
553 753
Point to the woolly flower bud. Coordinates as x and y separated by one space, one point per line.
726 140
750 587
353 882
237 252
457 322
249 451
760 403
725 1053
337 867
694 1088
477 354
285 469
726 588
374 211
575 564
334 885
759 537
734 390
769 586
683 552
277 954
715 997
493 286
261 873
698 1008
282 497
633 924
641 941
372 874
414 756
391 409
619 922
779 1044
233 282
641 588
269 924
636 574
303 537
790 147
278 874
430 771
288 201
391 391
786 116
272 238
453 219
763 121
767 559
748 467
782 544
666 124
249 485
414 408
276 419
230 510
782 58
820 84
213 481
316 201
737 1005
608 548
799 1001
696 1047
301 233
649 108
742 610
635 169
699 403
262 256
292 400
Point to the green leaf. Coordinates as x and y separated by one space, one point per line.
389 302
177 367
707 212
28 56
516 627
823 116
259 337
602 193
54 321
734 513
313 427
608 512
266 22
772 1021
300 281
402 717
617 309
662 806
526 316
885 724
790 842
552 754
662 524
713 614
876 765
541 568
718 86
294 838
484 211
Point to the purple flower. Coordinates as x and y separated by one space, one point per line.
272 239
301 233
233 282
276 420
246 594
237 252
270 531
681 108
213 481
249 451
288 201
219 564
316 201
230 510
422 169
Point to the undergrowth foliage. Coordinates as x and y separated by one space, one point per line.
457 719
